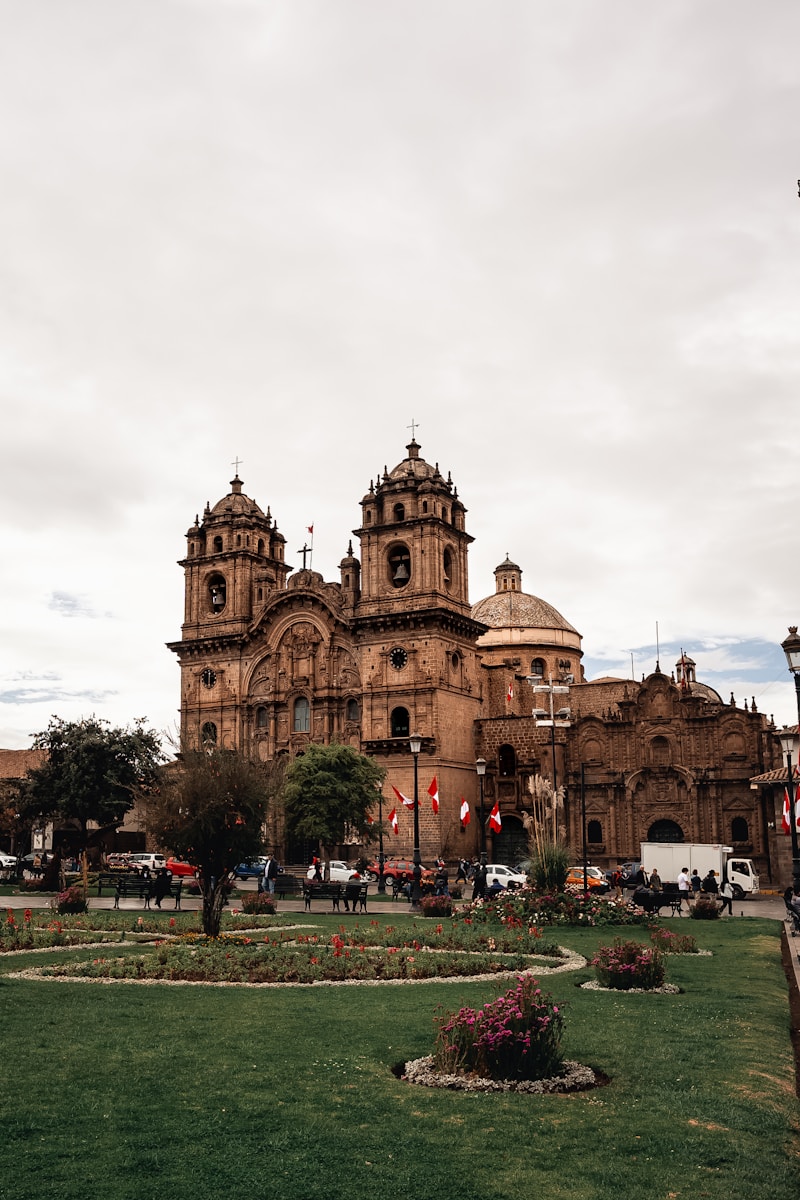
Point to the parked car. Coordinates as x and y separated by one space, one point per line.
595 879
251 869
118 861
7 862
505 876
339 872
177 866
401 869
147 862
628 870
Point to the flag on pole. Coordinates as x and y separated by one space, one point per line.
403 799
495 824
393 821
464 813
433 792
510 692
785 822
310 529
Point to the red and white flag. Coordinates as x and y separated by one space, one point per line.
310 529
433 792
403 799
393 821
510 692
495 824
464 813
786 816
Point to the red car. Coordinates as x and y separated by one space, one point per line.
178 867
401 869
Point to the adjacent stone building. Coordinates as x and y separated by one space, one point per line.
273 658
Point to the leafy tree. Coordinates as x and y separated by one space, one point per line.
91 772
330 791
210 810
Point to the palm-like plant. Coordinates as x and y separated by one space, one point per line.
548 850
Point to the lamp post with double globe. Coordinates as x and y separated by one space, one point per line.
480 767
415 745
791 648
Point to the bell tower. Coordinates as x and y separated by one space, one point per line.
416 635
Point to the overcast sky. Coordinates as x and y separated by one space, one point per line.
562 237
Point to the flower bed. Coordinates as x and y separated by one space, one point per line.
529 907
704 910
73 900
627 965
673 943
436 906
262 903
516 1036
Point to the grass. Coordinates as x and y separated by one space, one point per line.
124 1092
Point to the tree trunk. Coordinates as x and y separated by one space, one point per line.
213 904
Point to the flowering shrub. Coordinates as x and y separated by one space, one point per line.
436 906
627 965
704 910
673 943
516 1036
259 902
73 900
529 907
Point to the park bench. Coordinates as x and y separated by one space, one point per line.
126 886
353 893
653 902
287 885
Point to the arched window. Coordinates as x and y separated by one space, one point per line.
594 831
740 831
217 593
665 831
353 710
659 752
506 760
218 545
260 545
537 667
447 564
444 512
399 512
302 715
399 563
261 717
208 734
400 722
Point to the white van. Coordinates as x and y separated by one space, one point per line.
146 862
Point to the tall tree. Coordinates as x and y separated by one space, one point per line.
329 792
211 810
91 772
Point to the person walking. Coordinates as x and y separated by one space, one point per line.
684 886
270 874
726 895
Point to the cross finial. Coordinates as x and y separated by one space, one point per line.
414 426
236 464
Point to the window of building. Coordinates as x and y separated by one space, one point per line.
659 752
353 710
507 760
208 734
218 545
217 593
447 564
537 667
740 831
594 831
302 715
399 512
665 831
260 545
399 564
261 717
400 722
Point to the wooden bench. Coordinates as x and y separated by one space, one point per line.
286 885
126 886
321 891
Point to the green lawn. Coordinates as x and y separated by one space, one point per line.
126 1092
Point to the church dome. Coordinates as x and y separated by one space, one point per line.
236 503
413 466
516 619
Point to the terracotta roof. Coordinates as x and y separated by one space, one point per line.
15 763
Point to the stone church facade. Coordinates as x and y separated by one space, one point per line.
273 658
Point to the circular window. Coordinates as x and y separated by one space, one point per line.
209 677
398 658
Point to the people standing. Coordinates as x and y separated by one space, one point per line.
640 878
696 882
684 886
655 881
709 884
270 874
479 881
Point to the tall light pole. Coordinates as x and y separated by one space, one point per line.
791 648
381 859
480 767
552 718
415 745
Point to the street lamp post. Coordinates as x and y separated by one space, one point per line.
791 648
381 859
415 744
480 767
554 717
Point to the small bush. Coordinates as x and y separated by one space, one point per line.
673 943
704 910
627 965
516 1036
73 900
259 902
436 906
456 891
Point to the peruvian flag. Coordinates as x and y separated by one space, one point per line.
464 813
495 824
433 792
403 799
510 692
786 816
393 821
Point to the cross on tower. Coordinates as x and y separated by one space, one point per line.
304 551
236 464
413 426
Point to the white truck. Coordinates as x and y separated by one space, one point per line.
669 858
